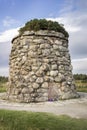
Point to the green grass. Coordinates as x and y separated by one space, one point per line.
3 87
81 86
21 120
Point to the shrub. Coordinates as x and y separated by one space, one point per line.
43 24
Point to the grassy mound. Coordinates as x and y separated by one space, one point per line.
43 24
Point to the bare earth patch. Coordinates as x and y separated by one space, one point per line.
75 107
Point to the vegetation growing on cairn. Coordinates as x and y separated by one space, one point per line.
43 24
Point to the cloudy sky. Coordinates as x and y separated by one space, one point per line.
71 13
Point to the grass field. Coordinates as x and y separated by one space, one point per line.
20 120
81 86
3 87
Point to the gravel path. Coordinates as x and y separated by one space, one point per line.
75 107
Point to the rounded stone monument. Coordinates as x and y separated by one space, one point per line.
40 67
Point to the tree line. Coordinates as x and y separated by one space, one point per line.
3 79
80 77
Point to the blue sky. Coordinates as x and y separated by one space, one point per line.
23 10
72 13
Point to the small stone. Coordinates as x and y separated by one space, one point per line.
17 91
34 68
42 90
46 52
39 80
32 79
38 40
51 79
54 67
30 89
61 67
62 88
24 58
54 73
25 90
39 52
45 95
46 78
44 67
42 46
57 53
69 95
47 46
63 49
20 97
19 59
40 73
35 85
45 85
25 47
58 42
46 60
33 48
32 53
57 79
64 83
48 73
55 47
68 83
31 73
42 99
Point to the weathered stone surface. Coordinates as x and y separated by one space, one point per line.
39 80
54 67
54 73
40 67
55 46
42 99
25 90
46 52
35 85
45 85
69 95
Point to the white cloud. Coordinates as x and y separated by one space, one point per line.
8 35
5 48
68 23
8 21
80 65
79 60
4 71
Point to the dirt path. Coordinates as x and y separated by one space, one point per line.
75 107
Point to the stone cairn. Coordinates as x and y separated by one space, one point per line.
40 68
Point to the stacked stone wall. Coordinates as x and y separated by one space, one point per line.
40 68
